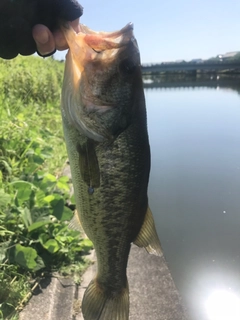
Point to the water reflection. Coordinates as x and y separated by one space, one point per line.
194 191
214 81
222 305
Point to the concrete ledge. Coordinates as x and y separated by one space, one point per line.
55 301
153 295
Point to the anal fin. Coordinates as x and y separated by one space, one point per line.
75 224
147 237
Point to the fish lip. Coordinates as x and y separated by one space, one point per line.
86 30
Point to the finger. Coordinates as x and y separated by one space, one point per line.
60 41
75 25
44 39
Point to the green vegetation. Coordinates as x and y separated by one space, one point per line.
34 215
235 58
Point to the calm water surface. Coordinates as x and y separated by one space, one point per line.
194 194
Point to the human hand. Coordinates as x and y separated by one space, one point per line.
27 26
48 42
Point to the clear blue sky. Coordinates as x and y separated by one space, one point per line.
172 29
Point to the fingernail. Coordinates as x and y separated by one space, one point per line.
42 37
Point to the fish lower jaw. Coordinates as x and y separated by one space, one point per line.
73 119
89 132
96 107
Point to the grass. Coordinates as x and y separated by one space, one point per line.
34 197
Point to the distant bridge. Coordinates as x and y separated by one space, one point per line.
185 66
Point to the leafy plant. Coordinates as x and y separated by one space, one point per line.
34 197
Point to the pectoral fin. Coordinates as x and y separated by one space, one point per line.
88 163
147 237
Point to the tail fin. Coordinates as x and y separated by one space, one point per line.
97 305
148 237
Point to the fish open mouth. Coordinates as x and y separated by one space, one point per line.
100 42
93 64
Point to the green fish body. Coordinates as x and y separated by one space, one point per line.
104 122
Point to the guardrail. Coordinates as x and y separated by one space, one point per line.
204 66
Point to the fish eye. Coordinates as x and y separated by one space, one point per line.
127 66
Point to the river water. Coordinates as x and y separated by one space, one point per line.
194 190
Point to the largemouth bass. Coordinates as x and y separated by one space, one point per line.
104 122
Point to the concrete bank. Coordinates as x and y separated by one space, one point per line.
153 295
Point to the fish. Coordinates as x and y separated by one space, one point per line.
105 129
